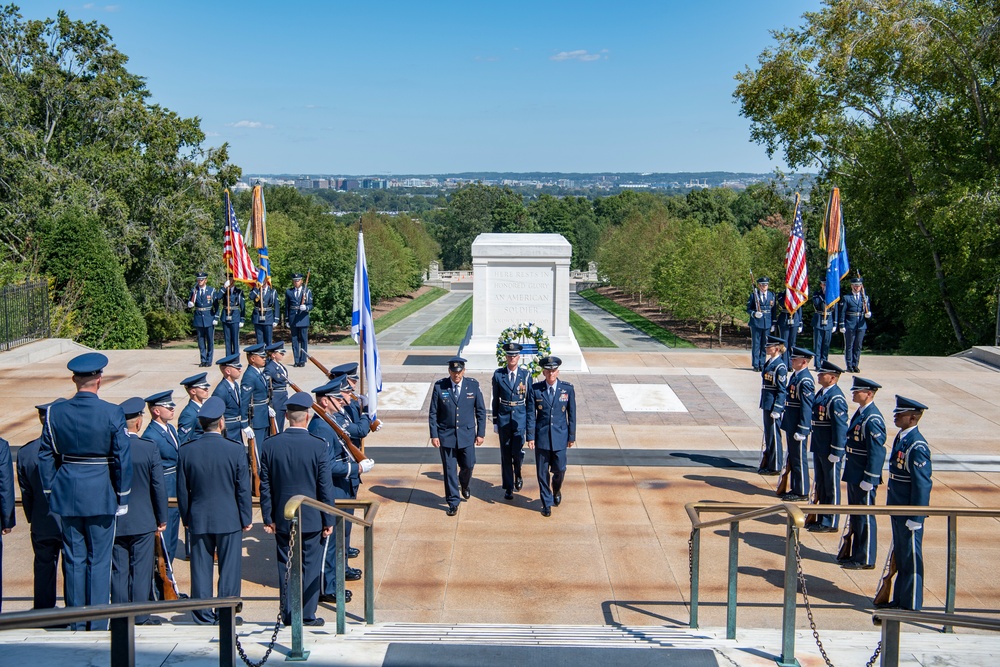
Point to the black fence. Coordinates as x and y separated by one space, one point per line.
25 315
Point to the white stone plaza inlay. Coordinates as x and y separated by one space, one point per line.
648 398
403 395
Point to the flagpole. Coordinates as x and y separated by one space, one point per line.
361 346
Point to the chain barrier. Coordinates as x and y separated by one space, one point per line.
277 622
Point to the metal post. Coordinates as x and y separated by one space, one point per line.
890 643
949 598
294 592
791 596
369 574
227 637
695 548
734 561
341 555
6 320
122 641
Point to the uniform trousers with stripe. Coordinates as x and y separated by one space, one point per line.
772 456
798 465
312 559
47 550
907 545
132 560
203 546
863 530
827 474
87 545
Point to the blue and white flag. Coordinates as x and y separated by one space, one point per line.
363 332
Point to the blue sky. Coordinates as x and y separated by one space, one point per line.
392 87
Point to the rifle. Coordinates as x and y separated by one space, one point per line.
884 592
864 298
846 542
811 518
358 455
305 287
164 574
376 424
756 296
252 453
782 487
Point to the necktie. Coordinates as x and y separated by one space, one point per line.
552 391
512 378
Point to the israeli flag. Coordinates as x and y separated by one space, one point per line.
363 332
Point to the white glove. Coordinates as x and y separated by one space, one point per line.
241 325
248 432
772 328
866 486
226 284
843 329
215 322
272 324
833 458
271 412
913 525
366 465
123 510
799 437
496 428
302 307
800 329
758 314
775 415
867 315
190 304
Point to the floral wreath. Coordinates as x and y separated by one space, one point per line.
517 334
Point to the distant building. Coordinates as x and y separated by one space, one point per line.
303 183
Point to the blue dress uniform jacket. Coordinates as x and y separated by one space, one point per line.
231 309
344 471
188 426
237 407
359 423
46 532
6 499
824 323
513 420
829 423
278 375
852 319
298 321
265 312
773 392
204 301
865 456
909 484
168 442
256 389
457 420
762 302
554 429
797 420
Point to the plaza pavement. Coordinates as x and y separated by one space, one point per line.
615 551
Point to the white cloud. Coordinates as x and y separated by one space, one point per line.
580 54
105 8
250 124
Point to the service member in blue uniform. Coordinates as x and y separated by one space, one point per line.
256 386
352 420
773 393
230 391
298 304
46 532
213 493
197 387
855 309
7 520
231 309
829 439
355 406
202 300
862 474
796 422
824 323
457 419
86 468
295 462
277 373
168 443
511 418
553 403
759 307
909 484
788 325
265 313
134 555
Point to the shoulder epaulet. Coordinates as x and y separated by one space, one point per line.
568 384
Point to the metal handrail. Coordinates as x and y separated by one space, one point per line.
793 511
892 618
122 624
293 512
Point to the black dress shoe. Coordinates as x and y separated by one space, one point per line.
557 498
851 565
332 599
466 493
452 511
508 495
314 623
151 621
352 552
518 483
352 574
546 511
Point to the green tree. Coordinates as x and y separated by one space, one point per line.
712 206
478 209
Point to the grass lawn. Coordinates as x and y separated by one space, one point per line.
385 321
649 328
586 335
450 331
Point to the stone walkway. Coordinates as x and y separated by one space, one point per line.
404 332
625 336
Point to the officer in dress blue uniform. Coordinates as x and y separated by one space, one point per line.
278 375
824 323
298 303
829 439
909 484
759 307
511 418
295 462
213 493
203 301
553 403
231 309
86 469
355 405
134 555
788 325
862 473
7 520
230 391
257 388
773 393
265 312
357 424
46 532
796 422
457 419
197 387
168 443
855 310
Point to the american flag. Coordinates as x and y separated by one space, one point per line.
234 251
796 271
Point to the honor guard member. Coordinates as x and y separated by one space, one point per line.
855 310
168 443
278 375
231 393
909 484
773 393
46 532
862 473
295 462
759 307
796 422
265 312
213 493
457 419
134 556
7 520
824 323
197 387
788 325
511 418
355 405
86 470
356 431
202 300
829 438
298 303
231 309
257 389
554 406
